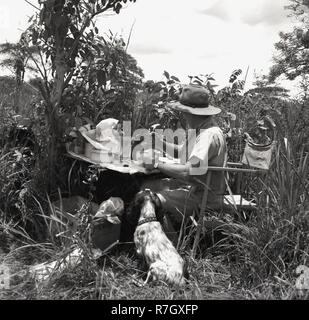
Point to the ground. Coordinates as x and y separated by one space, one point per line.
118 275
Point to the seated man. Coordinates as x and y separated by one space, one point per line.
181 195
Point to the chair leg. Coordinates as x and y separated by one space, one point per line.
200 220
197 235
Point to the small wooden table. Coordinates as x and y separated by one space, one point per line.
127 167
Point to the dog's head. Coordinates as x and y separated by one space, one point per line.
134 211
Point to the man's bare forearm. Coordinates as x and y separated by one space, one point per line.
179 171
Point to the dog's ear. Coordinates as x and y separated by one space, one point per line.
132 214
130 217
139 198
129 223
158 205
134 210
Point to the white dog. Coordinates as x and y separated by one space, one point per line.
164 262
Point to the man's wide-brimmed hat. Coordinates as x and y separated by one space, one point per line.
194 99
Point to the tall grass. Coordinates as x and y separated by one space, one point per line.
257 259
116 275
275 240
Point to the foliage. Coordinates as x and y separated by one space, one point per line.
292 59
265 249
275 241
65 35
152 104
103 87
28 95
85 77
17 180
17 60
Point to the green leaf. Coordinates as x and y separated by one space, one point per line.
74 31
197 82
175 78
118 7
157 88
198 78
97 49
166 74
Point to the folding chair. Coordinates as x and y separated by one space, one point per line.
235 201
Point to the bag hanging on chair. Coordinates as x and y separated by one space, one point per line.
258 156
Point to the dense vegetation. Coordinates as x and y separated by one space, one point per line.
80 77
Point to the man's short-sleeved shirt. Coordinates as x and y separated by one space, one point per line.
208 148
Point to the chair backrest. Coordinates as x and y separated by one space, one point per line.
253 148
258 156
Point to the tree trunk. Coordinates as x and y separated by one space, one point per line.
18 87
53 113
17 99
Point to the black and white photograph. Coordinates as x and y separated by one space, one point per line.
154 150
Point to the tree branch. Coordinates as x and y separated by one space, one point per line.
45 73
81 32
32 5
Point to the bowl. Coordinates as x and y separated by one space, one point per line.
101 156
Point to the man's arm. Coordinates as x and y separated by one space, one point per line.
177 171
184 172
